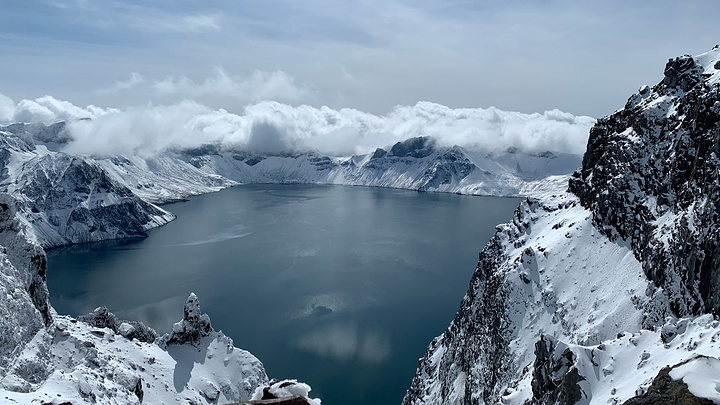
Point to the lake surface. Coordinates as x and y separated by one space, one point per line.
340 287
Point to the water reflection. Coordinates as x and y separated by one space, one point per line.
344 341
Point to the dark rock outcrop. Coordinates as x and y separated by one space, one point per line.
554 379
650 175
417 147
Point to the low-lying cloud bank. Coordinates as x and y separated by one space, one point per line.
274 127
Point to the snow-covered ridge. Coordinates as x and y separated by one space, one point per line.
609 294
68 199
418 163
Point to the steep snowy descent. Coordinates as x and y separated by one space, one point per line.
580 298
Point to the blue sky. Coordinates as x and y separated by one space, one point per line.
581 57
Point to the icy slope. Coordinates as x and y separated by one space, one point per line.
579 298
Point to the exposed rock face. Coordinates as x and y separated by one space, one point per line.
596 280
554 378
418 147
650 176
478 335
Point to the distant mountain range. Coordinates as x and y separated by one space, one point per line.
71 199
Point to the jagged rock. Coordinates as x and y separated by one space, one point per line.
102 318
648 194
194 326
555 379
650 176
417 147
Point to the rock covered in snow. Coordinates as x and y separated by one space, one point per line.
102 318
98 359
587 297
192 328
276 389
24 307
650 176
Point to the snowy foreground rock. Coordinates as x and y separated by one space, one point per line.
607 293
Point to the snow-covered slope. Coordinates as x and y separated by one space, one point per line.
597 296
415 164
65 199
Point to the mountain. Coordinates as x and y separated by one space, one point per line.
69 199
606 293
65 199
415 164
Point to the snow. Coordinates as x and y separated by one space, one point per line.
284 389
702 377
708 61
620 368
72 361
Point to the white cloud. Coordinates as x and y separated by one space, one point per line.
45 109
270 126
259 86
7 108
161 22
199 23
134 80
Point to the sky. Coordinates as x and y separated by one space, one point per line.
585 58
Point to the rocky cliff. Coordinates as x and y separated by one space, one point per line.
588 295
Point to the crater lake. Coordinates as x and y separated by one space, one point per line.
340 287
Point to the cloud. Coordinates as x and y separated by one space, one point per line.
270 126
7 108
160 22
148 130
134 80
46 109
259 86
199 23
